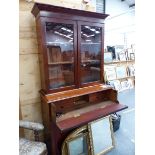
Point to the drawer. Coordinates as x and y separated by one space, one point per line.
64 105
97 97
71 104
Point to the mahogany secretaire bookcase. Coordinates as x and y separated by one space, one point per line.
71 56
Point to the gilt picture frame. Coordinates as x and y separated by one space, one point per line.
101 136
122 56
81 140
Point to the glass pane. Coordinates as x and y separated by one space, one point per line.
60 52
90 53
101 136
78 146
61 75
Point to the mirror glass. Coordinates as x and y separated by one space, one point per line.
101 135
78 145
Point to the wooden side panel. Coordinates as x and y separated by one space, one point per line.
40 38
29 77
46 120
113 95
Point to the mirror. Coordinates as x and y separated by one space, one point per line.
101 135
78 145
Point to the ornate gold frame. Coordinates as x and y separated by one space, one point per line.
78 136
91 138
86 131
73 135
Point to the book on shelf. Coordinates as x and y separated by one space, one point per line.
54 54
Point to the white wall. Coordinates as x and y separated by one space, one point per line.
120 25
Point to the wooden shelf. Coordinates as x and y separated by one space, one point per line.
87 116
115 62
61 63
83 61
56 43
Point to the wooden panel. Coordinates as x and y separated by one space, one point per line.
97 97
83 110
46 120
52 2
28 46
74 122
25 6
71 4
27 31
23 34
64 105
30 101
65 3
28 43
29 77
45 10
31 112
29 67
27 28
26 19
75 92
21 130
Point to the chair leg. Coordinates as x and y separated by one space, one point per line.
36 135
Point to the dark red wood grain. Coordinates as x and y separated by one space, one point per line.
38 7
85 118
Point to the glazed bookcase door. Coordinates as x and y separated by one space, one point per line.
61 53
91 48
